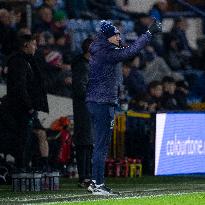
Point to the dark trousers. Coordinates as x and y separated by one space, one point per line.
102 122
25 140
84 156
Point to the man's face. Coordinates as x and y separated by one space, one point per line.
169 87
172 88
157 91
115 39
4 17
136 62
31 47
61 41
46 15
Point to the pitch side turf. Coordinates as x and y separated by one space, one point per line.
142 191
177 199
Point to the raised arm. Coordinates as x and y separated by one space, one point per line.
121 54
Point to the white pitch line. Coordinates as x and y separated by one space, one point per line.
77 195
120 198
143 190
43 198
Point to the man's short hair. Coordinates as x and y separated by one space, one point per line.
168 79
23 39
154 84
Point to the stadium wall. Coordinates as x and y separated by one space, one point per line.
59 106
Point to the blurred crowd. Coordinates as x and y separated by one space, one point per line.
167 75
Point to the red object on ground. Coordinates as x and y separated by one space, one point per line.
65 147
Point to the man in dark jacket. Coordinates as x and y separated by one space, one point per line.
7 33
82 130
102 92
25 95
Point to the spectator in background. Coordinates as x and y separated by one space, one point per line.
181 94
50 3
53 4
50 71
54 57
198 57
108 9
7 33
62 38
133 79
139 104
60 41
157 12
155 66
126 71
158 9
155 93
142 23
82 128
24 31
56 71
174 57
123 90
59 21
179 30
44 20
16 18
62 77
49 39
169 101
62 46
79 9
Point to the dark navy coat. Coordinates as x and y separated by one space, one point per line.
105 75
82 129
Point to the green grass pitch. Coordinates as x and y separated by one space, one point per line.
141 191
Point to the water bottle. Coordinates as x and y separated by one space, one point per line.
15 182
56 181
36 183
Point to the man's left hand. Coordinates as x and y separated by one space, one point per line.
155 27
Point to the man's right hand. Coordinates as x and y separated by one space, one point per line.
155 27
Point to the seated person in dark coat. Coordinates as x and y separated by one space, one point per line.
169 101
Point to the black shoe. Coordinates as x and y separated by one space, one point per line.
92 186
84 184
103 190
